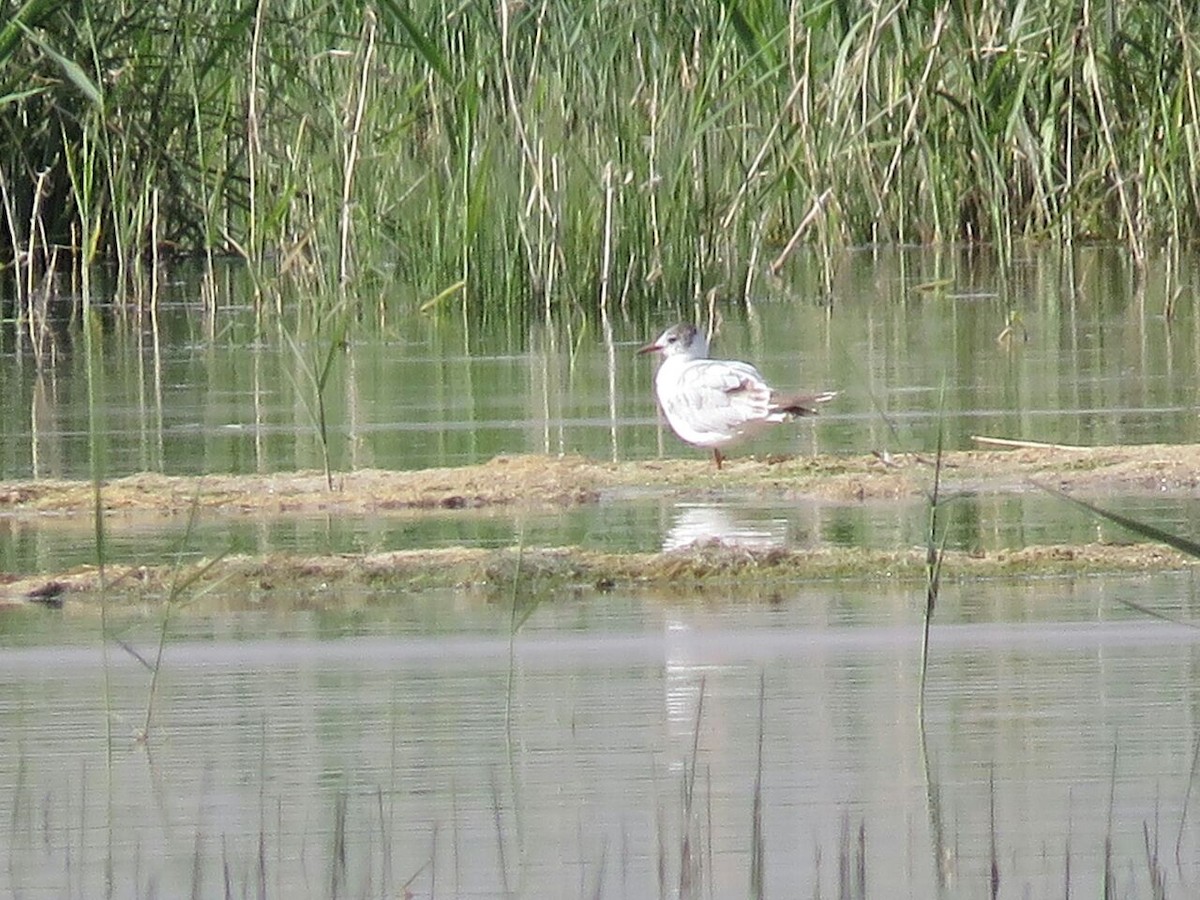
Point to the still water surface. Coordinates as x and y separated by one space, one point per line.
413 742
1071 349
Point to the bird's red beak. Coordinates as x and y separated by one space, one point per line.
650 348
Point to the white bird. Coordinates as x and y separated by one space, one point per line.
715 402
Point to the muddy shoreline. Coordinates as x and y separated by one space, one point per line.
516 482
532 480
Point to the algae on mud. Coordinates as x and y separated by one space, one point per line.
536 480
531 481
322 581
539 481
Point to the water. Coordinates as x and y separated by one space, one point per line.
1091 361
367 743
556 764
641 524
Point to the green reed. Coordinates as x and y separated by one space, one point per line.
935 551
520 155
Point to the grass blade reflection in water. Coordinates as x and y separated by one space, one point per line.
1097 366
295 741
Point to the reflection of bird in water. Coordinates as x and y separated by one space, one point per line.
704 523
715 402
684 677
689 656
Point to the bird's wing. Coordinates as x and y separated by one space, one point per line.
715 400
719 375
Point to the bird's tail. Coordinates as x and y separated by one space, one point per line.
801 404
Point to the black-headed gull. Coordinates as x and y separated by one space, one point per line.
715 402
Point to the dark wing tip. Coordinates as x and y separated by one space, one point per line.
804 404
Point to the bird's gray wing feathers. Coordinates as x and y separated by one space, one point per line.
712 375
719 397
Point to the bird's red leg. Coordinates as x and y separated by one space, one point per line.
718 458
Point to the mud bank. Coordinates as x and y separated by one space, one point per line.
539 481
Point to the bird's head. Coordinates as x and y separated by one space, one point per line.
679 340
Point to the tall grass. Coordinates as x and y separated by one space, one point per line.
521 156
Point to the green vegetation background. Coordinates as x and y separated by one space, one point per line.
533 155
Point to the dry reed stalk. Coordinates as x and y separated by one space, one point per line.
350 159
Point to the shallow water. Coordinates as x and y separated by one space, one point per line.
555 764
302 751
645 523
910 338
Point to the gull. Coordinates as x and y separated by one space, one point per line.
716 402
